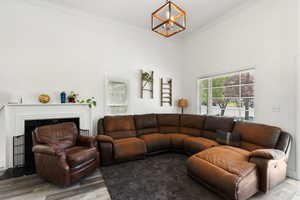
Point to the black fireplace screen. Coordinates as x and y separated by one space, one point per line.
18 151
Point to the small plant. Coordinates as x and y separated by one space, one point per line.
72 97
147 78
90 101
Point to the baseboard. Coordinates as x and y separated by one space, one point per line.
292 174
2 166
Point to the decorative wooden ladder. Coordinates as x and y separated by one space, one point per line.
165 92
143 87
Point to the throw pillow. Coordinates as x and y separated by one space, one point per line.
228 138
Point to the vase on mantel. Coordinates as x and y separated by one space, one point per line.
63 97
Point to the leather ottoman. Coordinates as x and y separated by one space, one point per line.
226 170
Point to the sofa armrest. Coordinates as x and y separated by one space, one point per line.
106 149
104 139
88 141
53 150
57 169
272 167
271 154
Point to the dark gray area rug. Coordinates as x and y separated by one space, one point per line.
164 177
160 177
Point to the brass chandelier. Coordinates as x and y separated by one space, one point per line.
168 20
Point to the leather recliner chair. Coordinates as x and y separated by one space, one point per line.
61 155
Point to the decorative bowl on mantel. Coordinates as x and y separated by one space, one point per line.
44 98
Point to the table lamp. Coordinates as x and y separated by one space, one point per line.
182 103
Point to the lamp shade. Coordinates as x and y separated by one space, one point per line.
182 103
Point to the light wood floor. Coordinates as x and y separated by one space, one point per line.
93 188
288 190
34 188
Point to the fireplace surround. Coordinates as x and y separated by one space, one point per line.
21 119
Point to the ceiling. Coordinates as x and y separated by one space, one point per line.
138 12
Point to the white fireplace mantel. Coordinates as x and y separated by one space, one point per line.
46 105
15 115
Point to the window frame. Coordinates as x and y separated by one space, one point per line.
239 98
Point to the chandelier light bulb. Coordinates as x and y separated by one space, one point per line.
168 14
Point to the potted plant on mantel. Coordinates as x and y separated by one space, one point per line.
72 97
90 101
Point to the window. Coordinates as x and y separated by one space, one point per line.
229 95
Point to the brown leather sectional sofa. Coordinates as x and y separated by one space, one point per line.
259 163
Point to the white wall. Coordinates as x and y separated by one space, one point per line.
298 96
260 34
2 140
48 49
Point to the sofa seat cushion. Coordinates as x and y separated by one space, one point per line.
177 140
197 144
129 148
250 146
227 170
156 142
77 155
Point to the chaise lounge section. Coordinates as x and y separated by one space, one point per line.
226 170
259 162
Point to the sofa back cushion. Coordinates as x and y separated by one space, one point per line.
212 124
119 127
192 124
168 123
146 124
255 136
63 135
